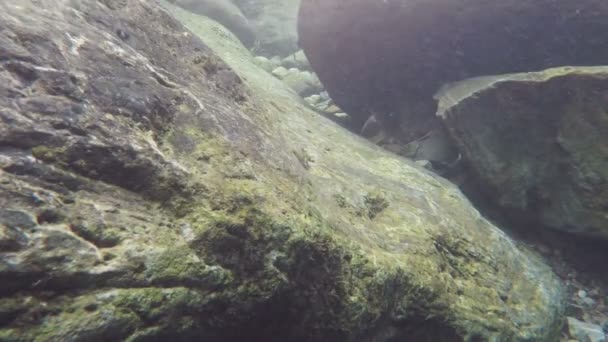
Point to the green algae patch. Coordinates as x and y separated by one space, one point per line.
101 235
107 322
49 154
375 204
178 265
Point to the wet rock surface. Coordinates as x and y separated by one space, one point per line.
585 331
536 143
153 189
389 57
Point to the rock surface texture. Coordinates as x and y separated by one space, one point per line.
538 142
150 191
389 57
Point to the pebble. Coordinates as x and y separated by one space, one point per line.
333 109
313 99
588 301
280 72
264 63
582 293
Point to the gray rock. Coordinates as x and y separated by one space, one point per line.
585 332
544 159
588 302
280 72
16 219
324 95
265 63
313 99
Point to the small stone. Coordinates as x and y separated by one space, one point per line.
333 109
588 301
342 118
280 72
582 293
264 63
313 99
583 331
322 105
303 83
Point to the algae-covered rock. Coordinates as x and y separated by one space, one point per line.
390 57
537 142
265 63
150 191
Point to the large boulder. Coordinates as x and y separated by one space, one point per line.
150 192
537 143
389 57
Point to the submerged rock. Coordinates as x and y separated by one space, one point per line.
303 82
280 72
537 143
390 57
582 331
150 192
296 60
267 64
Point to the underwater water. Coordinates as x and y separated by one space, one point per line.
303 170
